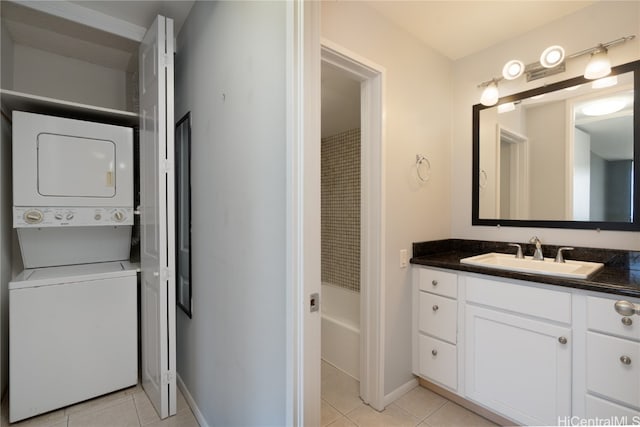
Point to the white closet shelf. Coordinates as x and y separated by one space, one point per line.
12 100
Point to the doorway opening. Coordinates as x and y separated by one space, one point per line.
340 237
360 335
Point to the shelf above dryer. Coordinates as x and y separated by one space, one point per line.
12 100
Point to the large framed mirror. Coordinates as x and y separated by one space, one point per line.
565 155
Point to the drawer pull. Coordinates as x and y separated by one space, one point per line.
435 352
562 340
626 308
434 282
435 307
626 360
626 321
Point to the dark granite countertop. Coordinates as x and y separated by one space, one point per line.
620 275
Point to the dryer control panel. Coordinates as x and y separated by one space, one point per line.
44 216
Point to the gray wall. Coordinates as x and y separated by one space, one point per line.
5 247
618 190
230 73
547 170
6 64
6 79
597 185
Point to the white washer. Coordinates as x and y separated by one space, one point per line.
72 335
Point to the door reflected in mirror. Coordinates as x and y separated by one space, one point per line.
558 156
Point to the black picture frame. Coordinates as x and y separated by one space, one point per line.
182 148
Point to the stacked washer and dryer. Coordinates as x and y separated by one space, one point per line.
73 310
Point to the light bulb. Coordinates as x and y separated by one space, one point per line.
505 108
512 69
603 107
599 65
490 95
604 82
552 56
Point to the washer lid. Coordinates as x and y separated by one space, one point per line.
46 276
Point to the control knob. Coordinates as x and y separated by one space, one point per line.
119 216
33 216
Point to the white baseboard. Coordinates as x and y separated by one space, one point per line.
395 394
191 402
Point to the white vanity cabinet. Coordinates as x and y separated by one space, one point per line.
612 362
518 350
435 327
532 353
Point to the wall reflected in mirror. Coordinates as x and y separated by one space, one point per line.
563 155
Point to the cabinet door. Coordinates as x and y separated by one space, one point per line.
518 366
157 219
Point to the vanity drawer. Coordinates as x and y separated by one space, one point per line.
438 361
603 317
603 409
613 368
438 316
521 299
438 282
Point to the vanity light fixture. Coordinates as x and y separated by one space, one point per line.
599 65
552 61
552 56
513 69
490 94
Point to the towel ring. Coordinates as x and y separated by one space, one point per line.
423 167
483 182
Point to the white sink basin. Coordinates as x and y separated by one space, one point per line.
573 269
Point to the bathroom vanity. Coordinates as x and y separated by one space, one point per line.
534 349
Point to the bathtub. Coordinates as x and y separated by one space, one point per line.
341 328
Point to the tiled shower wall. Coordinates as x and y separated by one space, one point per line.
340 170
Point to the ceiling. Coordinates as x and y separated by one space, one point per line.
450 27
30 27
460 28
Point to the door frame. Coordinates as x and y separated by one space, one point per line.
372 236
305 50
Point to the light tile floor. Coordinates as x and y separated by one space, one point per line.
124 408
341 406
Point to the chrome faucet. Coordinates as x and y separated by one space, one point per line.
519 252
559 257
537 254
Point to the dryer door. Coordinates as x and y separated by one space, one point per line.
71 166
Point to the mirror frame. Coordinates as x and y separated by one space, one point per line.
599 225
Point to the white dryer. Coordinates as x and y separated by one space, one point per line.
72 190
72 335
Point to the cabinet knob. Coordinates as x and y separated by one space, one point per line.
434 282
562 340
435 307
626 308
626 360
626 321
435 352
